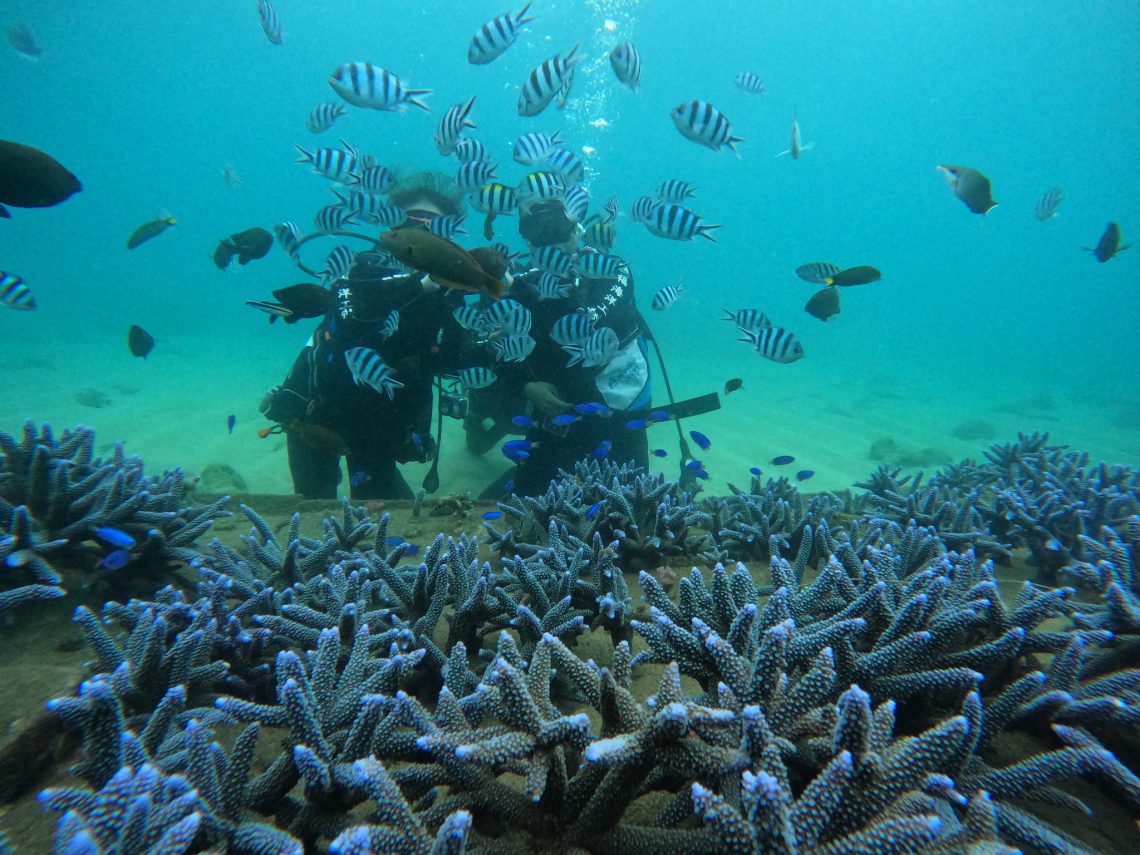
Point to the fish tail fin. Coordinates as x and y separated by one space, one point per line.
412 96
704 230
828 280
728 316
731 143
305 157
571 59
520 15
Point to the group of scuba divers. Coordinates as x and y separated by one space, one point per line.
325 415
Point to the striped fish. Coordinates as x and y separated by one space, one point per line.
470 318
576 201
816 271
567 164
15 294
1047 205
335 164
471 176
513 348
610 209
333 218
667 296
550 287
598 265
675 190
388 216
505 251
626 63
391 324
749 81
553 260
369 369
497 198
541 186
324 116
375 179
338 263
601 235
289 239
597 350
451 126
747 320
775 343
448 226
535 147
269 22
642 210
477 378
703 123
365 85
544 82
572 329
470 150
496 36
508 317
677 222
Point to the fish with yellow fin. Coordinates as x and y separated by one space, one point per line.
149 231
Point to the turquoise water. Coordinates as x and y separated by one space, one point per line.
1002 318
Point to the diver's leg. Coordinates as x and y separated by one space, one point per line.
373 475
315 474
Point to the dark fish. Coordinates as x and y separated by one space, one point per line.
783 460
445 261
149 230
224 254
31 179
823 304
231 420
733 384
21 38
970 186
251 244
804 474
660 452
636 424
592 511
493 262
860 275
139 341
1047 205
1109 244
755 470
700 439
816 271
359 478
304 300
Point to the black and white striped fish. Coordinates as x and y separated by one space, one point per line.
368 368
747 320
677 222
703 123
391 324
576 201
601 234
626 63
388 216
15 294
365 85
642 210
667 296
535 146
448 226
599 265
610 209
289 239
545 81
338 263
495 197
471 176
505 251
269 22
541 187
775 343
335 164
333 218
469 317
508 317
567 164
572 329
550 287
513 348
1047 205
496 36
553 260
675 190
749 81
477 378
597 350
324 116
816 271
470 150
375 179
451 126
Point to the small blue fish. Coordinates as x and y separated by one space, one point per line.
524 444
417 439
700 439
116 560
115 537
636 424
564 419
230 422
603 448
660 452
703 474
694 465
592 408
804 474
659 416
409 548
755 470
493 515
515 455
522 421
359 478
592 511
783 460
507 488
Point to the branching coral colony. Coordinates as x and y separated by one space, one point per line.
853 664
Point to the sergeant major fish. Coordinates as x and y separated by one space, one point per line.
703 123
667 296
324 116
775 343
544 82
496 36
1047 205
451 126
15 294
626 63
369 369
749 81
365 85
677 222
269 22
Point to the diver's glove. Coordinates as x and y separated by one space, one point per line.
282 405
545 397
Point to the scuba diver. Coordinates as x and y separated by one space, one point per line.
322 409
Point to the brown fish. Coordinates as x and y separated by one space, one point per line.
970 186
732 385
1108 245
150 230
140 342
445 261
224 254
823 304
31 179
860 275
493 262
296 302
251 244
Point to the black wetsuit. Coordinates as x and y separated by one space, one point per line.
377 432
611 304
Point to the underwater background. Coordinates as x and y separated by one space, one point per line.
1001 319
